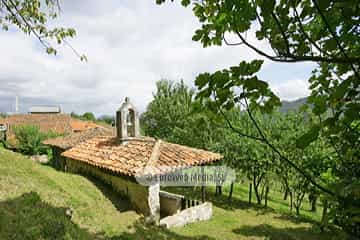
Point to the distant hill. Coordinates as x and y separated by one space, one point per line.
292 105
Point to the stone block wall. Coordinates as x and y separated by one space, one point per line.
170 203
143 198
154 203
194 214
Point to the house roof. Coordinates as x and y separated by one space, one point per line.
45 109
71 140
80 125
133 156
58 123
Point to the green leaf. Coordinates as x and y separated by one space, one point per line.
185 3
305 140
202 80
340 90
197 36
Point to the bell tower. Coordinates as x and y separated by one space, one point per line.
127 121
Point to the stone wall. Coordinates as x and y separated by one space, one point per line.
58 161
144 199
194 214
170 203
154 203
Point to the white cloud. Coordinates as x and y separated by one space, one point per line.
291 89
130 45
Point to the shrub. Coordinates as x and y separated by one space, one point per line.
30 139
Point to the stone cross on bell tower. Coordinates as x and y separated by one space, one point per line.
127 121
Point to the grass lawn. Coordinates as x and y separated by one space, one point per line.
34 199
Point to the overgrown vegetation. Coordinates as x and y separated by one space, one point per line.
34 199
323 32
29 139
175 115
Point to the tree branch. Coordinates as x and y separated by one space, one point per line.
333 34
31 28
237 130
282 33
293 58
297 17
231 44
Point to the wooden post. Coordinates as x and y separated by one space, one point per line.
183 203
203 193
231 190
202 185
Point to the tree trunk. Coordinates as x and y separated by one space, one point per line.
250 192
313 205
231 191
324 220
257 194
291 201
266 195
286 194
298 202
313 200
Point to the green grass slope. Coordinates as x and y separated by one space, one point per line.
34 199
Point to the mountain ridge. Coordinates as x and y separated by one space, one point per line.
292 105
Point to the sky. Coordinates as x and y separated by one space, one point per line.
130 44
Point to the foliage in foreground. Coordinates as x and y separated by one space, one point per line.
32 17
324 32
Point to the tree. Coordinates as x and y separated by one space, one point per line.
75 115
249 157
29 139
89 116
32 18
169 109
110 120
324 32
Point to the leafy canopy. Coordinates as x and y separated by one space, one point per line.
324 32
32 18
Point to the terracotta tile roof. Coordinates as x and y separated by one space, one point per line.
131 158
58 123
71 140
80 125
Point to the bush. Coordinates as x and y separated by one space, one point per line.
30 139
